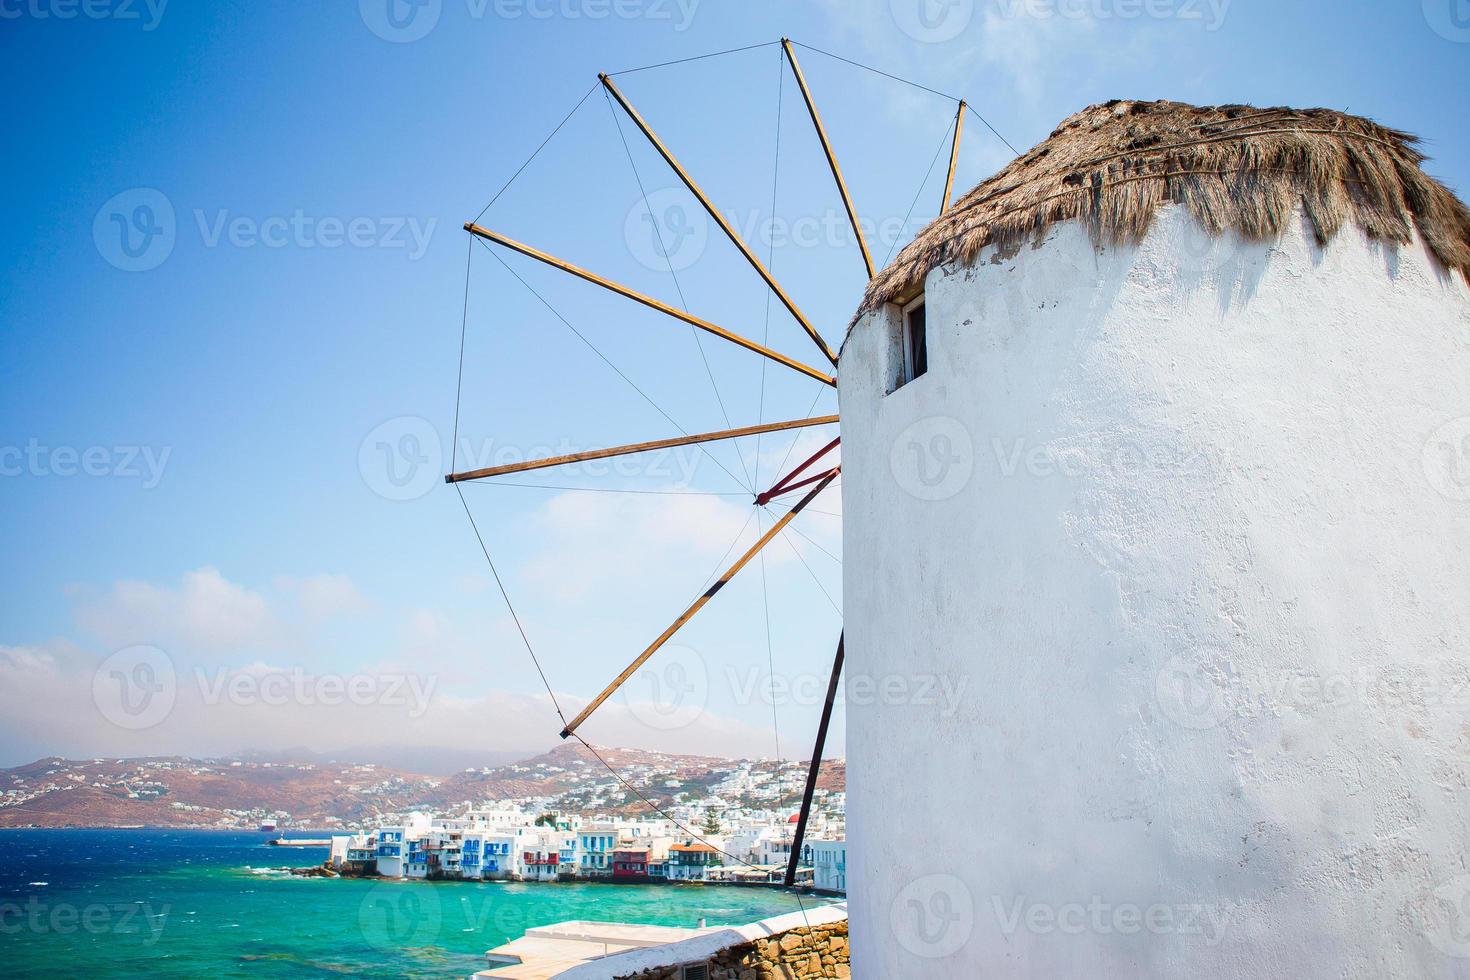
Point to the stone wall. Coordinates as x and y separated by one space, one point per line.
806 953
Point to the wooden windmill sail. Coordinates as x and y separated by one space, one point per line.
809 478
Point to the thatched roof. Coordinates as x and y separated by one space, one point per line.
1233 166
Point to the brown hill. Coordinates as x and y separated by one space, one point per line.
237 793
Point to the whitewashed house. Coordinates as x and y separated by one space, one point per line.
500 858
595 846
539 862
472 854
393 845
828 861
501 817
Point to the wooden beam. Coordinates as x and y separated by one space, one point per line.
698 604
796 486
816 764
954 156
647 301
811 108
637 447
784 484
718 218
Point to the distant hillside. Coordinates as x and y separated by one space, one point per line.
241 793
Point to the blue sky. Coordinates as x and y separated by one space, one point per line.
301 314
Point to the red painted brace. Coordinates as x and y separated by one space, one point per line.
784 485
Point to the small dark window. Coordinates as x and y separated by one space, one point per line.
915 342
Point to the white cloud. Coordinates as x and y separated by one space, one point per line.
615 546
48 694
204 613
1029 51
241 669
324 596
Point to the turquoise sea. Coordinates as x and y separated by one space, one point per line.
180 903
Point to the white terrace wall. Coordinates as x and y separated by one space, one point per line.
1187 525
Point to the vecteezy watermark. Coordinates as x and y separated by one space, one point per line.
751 684
146 12
1049 278
933 916
143 463
1446 921
136 687
1188 694
277 688
394 916
1209 13
936 457
401 458
828 228
676 465
932 21
670 690
400 21
666 232
301 230
96 919
670 230
933 458
1126 458
136 229
1198 692
1098 917
404 21
1450 19
1199 252
1446 458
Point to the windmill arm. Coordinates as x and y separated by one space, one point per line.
699 603
648 301
719 219
637 447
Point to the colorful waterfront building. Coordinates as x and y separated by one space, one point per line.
472 855
630 865
498 855
541 864
354 853
596 846
566 855
691 861
392 844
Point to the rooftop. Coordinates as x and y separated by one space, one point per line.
1235 167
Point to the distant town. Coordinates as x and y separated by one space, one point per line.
706 841
558 816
